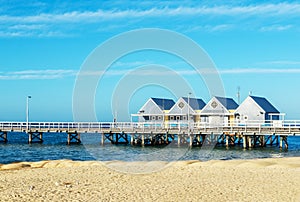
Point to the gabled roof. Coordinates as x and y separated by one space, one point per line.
164 104
195 103
265 104
228 103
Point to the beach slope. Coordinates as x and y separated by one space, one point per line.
276 179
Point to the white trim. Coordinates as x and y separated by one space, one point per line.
182 100
150 99
226 111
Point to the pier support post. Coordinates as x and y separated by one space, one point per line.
244 142
280 142
227 141
191 140
167 138
117 138
284 139
3 136
249 142
73 138
178 139
132 139
143 139
35 135
102 138
198 139
262 140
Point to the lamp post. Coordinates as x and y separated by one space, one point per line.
27 111
188 117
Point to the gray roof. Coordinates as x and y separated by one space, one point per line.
228 103
265 104
195 103
164 104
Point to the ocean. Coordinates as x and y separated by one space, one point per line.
54 147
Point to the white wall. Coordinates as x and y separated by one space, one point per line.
249 110
151 108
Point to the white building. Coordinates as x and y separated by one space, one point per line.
185 106
154 110
256 109
219 111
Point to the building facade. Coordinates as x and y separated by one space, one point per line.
255 108
219 111
155 110
185 106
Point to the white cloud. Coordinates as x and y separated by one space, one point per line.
259 71
61 73
287 9
27 27
281 62
276 28
37 74
63 24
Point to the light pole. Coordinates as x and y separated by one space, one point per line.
27 111
188 117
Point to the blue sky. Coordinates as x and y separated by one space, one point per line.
254 45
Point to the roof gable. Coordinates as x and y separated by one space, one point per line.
163 104
228 103
195 103
265 104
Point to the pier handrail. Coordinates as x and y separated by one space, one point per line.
155 125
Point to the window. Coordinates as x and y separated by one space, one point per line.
245 117
153 117
184 117
171 117
177 117
159 117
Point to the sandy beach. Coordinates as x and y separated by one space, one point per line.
276 179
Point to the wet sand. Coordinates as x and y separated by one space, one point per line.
276 179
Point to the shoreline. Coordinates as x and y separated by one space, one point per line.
283 162
267 179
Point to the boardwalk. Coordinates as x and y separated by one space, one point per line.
250 134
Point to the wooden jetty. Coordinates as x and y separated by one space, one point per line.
251 134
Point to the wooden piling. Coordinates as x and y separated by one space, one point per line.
3 136
132 139
227 140
244 142
178 139
262 140
191 140
102 138
29 137
280 142
198 139
38 136
73 136
143 140
249 142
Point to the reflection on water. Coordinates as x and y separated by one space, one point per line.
54 148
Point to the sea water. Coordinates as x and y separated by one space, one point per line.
54 147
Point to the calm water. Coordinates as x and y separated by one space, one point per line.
53 148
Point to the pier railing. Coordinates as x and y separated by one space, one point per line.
178 125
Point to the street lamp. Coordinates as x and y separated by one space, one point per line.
27 111
188 117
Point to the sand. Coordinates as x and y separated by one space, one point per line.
276 179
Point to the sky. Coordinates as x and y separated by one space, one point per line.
255 46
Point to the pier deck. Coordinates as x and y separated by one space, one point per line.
151 133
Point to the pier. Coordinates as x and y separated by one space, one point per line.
252 134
